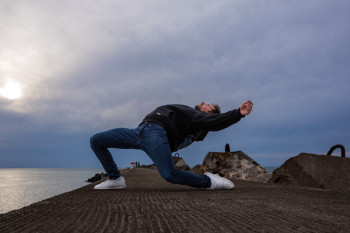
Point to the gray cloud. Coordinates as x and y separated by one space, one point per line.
89 66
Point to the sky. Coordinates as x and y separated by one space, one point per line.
70 69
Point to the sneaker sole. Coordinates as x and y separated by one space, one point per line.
111 188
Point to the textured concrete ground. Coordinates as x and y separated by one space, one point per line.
149 204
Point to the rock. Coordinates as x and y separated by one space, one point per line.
97 177
180 164
235 165
313 170
195 169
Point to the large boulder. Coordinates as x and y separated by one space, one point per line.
180 164
236 165
313 170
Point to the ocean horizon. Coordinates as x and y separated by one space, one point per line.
21 187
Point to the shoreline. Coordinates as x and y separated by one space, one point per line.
150 204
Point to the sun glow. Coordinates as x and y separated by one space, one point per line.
11 90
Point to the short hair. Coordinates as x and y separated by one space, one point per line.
197 107
216 109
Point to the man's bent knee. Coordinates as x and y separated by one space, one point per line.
94 141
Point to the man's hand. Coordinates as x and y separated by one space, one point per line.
246 107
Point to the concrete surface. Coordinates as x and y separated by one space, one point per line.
150 204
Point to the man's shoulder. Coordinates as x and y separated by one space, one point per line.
176 106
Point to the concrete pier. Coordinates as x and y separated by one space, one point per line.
150 204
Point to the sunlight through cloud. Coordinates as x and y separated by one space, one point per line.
11 90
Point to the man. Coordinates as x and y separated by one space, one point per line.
167 129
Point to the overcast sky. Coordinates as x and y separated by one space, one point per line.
70 69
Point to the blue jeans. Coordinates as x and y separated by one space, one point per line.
152 139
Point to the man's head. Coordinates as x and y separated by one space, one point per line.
208 108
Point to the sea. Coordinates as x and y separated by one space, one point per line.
20 187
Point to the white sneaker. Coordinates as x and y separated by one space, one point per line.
218 182
112 184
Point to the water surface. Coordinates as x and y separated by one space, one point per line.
20 187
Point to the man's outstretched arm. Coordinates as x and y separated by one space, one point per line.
216 122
